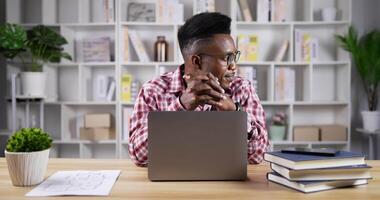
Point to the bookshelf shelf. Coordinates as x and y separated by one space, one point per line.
322 86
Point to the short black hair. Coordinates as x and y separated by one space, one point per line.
201 26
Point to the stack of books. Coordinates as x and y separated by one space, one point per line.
313 173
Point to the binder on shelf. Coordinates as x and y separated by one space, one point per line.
138 46
306 47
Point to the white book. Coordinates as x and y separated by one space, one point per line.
314 49
100 88
263 10
138 46
298 34
111 91
281 51
127 113
110 11
285 84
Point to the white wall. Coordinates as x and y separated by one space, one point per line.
365 18
3 120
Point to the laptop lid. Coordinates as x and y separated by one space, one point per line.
197 145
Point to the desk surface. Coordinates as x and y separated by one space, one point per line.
134 184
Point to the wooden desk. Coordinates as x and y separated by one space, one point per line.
134 184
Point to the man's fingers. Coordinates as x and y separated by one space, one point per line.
205 89
205 99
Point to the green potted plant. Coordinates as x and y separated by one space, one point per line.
277 129
365 52
33 48
27 155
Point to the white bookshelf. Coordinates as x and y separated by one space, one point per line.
322 88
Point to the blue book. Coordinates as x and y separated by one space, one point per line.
314 186
324 174
301 161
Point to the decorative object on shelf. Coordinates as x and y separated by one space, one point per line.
248 44
277 129
161 49
33 48
27 155
329 14
97 127
204 6
93 49
141 12
365 52
306 133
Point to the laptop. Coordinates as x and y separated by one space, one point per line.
189 146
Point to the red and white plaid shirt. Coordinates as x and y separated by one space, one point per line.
162 94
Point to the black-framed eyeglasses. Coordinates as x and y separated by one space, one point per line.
229 57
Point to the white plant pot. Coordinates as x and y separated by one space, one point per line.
27 168
371 120
33 83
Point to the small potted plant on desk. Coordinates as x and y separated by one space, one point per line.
27 155
365 52
33 48
277 129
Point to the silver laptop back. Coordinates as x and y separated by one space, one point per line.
197 146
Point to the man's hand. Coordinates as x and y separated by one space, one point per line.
204 88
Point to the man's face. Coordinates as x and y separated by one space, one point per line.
214 60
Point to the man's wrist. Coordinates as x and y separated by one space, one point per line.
238 107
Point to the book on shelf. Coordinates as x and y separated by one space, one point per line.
263 10
282 51
204 6
248 45
126 45
303 162
314 186
138 46
278 10
285 84
170 11
306 47
244 9
102 11
93 49
111 91
126 85
324 174
249 73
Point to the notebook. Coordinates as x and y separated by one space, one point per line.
314 186
300 161
324 174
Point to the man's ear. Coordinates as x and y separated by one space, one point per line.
196 61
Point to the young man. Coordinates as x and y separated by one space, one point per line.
206 81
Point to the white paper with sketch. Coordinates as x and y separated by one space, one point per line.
96 183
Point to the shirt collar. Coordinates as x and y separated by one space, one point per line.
177 83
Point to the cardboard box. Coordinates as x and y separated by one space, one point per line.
305 133
333 132
97 120
97 134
